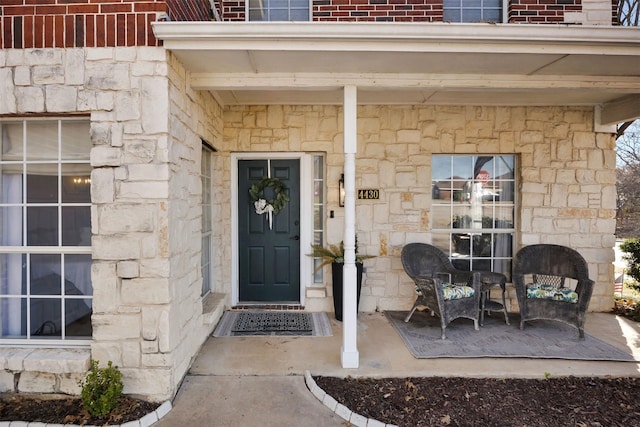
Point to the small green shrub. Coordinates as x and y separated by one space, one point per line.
631 247
101 389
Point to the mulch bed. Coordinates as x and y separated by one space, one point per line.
436 401
67 410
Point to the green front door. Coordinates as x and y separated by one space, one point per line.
269 254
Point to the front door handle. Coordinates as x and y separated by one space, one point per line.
295 238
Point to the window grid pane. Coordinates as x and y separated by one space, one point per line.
473 210
472 10
207 222
318 213
45 213
278 10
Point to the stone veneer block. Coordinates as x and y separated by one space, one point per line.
126 218
8 100
6 381
143 291
58 361
128 269
30 99
68 383
103 155
60 99
155 105
116 327
37 382
141 190
12 359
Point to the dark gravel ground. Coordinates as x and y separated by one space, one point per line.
66 410
437 401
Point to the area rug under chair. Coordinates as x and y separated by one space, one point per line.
539 339
273 323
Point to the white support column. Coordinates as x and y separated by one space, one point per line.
350 356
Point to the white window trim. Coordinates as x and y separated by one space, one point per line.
54 250
206 150
511 231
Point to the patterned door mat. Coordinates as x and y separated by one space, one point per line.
274 323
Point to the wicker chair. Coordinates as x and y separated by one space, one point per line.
552 283
444 290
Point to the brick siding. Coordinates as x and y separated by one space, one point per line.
232 10
541 11
189 10
90 23
519 11
378 10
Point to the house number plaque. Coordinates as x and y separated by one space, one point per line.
369 194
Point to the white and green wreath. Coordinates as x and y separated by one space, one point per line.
270 207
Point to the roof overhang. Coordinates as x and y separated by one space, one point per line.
245 63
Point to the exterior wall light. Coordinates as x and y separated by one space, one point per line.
341 191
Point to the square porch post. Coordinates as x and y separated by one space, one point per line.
350 356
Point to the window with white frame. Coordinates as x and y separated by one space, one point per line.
45 230
318 213
207 223
473 210
472 10
278 10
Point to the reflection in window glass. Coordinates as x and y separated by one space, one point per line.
473 210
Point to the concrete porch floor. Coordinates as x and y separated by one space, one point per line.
256 373
384 354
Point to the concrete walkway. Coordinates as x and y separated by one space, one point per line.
259 381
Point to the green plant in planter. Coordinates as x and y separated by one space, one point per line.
101 389
334 253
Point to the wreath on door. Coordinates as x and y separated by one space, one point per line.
273 206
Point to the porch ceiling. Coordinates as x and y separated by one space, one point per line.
461 64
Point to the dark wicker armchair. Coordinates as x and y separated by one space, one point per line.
446 291
552 283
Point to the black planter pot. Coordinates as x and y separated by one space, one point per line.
336 275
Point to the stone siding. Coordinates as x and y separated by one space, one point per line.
32 370
567 179
146 129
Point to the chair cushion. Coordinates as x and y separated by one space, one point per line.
541 290
453 291
457 292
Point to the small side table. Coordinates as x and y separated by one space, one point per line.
491 280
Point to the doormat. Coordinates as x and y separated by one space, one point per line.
273 323
540 339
